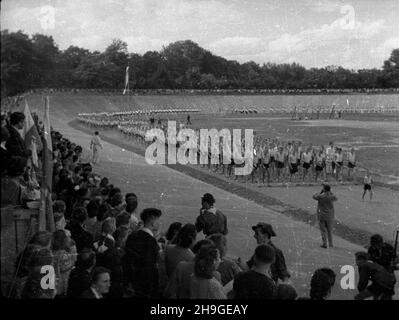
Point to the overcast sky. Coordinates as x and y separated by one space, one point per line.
351 33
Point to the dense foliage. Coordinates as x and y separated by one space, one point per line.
37 62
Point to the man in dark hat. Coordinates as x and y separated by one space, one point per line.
325 213
210 220
278 269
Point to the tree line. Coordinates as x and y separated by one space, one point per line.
32 62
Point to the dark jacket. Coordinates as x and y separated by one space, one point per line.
383 255
79 281
82 238
211 221
278 268
142 254
325 206
377 274
88 294
16 145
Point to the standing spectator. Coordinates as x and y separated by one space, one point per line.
263 234
142 252
82 238
95 145
100 284
80 277
181 251
203 285
381 252
325 213
228 269
210 220
171 234
257 283
382 282
15 144
179 283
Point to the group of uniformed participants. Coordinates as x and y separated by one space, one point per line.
274 160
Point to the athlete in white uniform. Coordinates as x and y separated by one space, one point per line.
307 162
95 145
351 162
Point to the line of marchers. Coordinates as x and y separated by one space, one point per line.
187 152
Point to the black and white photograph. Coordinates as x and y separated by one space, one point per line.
193 157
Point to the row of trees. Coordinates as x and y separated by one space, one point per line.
36 62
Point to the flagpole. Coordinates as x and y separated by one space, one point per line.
42 213
46 217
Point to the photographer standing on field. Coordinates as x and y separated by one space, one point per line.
325 213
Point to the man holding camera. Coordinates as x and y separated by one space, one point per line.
325 213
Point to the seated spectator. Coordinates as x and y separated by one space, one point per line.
80 277
64 260
59 215
228 269
12 191
24 260
203 285
181 251
82 238
108 228
100 284
130 207
123 230
82 197
382 286
33 287
142 252
77 175
91 221
257 283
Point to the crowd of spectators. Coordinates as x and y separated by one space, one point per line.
103 248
